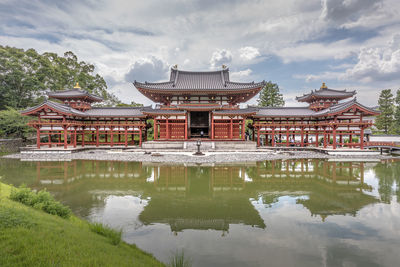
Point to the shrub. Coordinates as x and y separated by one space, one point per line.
42 200
104 230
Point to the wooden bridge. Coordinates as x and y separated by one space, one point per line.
383 145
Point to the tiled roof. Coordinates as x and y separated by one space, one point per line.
115 112
324 92
196 80
200 107
306 112
57 106
285 112
74 93
242 111
342 106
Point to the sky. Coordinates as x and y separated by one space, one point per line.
298 44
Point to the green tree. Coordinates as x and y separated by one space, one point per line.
396 121
25 76
132 104
13 124
270 96
385 119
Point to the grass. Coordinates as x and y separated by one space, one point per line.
113 235
178 259
32 237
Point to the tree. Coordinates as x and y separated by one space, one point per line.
270 96
132 104
385 119
26 76
396 121
13 124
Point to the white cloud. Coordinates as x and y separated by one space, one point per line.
147 69
240 75
249 52
220 57
379 63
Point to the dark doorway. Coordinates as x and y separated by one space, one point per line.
199 124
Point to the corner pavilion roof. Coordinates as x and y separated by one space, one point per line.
325 92
198 83
290 112
75 93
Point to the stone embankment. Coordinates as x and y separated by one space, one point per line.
184 157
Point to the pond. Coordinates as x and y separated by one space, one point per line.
272 213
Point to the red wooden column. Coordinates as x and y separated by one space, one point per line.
351 139
112 135
167 127
97 136
302 136
83 136
186 126
65 137
334 137
74 137
155 129
140 136
325 137
273 136
258 136
243 127
38 137
334 133
231 129
316 137
126 136
287 136
212 126
362 138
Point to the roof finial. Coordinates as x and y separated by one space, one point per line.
77 85
223 66
175 66
324 86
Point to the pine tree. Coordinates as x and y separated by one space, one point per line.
396 121
270 96
385 119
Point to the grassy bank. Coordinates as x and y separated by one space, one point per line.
31 237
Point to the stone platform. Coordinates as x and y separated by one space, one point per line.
205 145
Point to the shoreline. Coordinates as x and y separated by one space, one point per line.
188 157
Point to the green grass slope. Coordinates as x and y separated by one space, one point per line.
30 237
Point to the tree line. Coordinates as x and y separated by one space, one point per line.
26 76
389 120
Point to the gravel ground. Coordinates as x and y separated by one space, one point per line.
185 157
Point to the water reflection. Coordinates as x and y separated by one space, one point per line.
213 197
291 212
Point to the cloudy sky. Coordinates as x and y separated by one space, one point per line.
349 44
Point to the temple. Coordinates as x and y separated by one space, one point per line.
206 105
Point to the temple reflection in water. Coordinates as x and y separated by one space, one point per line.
208 197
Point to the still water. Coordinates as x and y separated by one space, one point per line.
272 213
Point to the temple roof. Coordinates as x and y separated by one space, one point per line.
325 92
115 112
285 112
75 93
242 111
199 83
306 112
64 109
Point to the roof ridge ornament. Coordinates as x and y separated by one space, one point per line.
77 86
324 86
